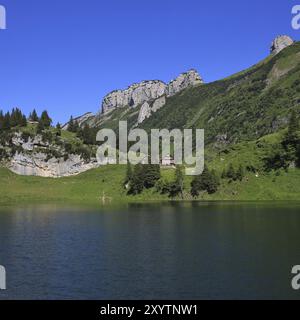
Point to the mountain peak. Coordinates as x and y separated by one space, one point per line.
149 91
281 42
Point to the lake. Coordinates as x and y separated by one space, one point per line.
188 250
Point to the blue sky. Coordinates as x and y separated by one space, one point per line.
64 56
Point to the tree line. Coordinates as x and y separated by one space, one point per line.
287 152
16 118
85 133
141 177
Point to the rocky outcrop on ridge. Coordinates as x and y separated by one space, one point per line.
280 43
147 91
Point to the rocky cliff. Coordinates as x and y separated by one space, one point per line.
133 96
148 91
36 164
280 43
149 96
37 157
183 81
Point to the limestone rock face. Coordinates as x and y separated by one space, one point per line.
145 112
32 159
149 95
183 81
280 43
133 96
158 103
35 164
148 91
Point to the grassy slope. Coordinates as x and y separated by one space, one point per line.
87 188
245 106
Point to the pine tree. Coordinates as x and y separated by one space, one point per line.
85 133
45 120
24 121
58 129
208 182
240 173
291 140
129 174
179 180
231 174
224 174
298 156
76 126
6 121
33 116
137 181
292 134
71 125
176 187
212 182
1 120
40 127
198 183
151 175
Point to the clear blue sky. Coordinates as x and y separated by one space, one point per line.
64 55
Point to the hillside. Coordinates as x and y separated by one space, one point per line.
89 187
245 106
252 133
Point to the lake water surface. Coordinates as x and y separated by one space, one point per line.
151 251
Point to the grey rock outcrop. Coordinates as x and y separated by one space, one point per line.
183 81
148 109
280 43
149 95
35 164
134 96
32 159
145 112
158 103
148 91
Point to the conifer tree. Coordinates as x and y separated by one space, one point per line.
1 120
129 174
45 120
240 173
137 181
33 116
231 174
6 121
71 125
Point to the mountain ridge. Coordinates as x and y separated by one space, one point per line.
113 100
244 107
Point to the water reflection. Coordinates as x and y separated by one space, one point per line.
185 250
